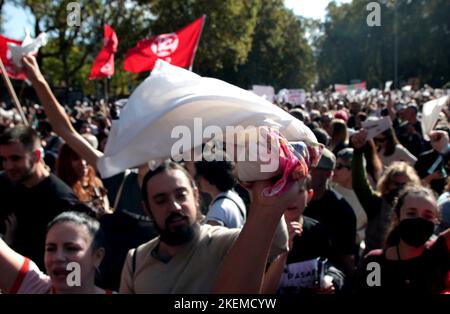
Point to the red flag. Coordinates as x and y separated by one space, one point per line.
104 63
176 48
340 88
5 54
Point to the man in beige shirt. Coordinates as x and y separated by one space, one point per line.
185 258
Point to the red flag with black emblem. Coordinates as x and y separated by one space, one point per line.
104 63
176 48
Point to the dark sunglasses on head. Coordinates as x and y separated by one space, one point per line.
398 185
340 166
381 140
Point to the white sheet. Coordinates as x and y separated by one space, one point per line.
173 97
430 114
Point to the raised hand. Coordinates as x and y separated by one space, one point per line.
31 68
359 139
294 229
277 203
11 226
439 141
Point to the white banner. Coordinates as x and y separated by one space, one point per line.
174 104
430 114
296 96
375 127
266 92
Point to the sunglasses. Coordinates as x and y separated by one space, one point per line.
398 185
340 166
380 140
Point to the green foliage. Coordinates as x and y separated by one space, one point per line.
67 58
351 50
254 41
243 42
227 34
280 55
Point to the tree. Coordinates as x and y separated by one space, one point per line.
243 42
227 34
68 56
280 55
350 49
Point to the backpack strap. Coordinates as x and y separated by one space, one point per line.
241 211
119 192
133 265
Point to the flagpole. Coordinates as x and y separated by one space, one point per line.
198 41
12 93
106 90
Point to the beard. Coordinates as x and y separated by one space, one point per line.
176 235
22 176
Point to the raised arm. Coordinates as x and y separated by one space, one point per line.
273 274
10 265
56 114
243 268
369 200
390 107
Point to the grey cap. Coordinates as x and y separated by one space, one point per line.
327 161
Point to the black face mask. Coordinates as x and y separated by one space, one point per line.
415 232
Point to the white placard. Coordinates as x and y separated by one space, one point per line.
375 127
296 96
267 92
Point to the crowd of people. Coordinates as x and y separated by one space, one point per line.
194 227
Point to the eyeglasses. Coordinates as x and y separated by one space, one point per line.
340 166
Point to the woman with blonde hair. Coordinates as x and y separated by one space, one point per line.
378 204
390 150
396 176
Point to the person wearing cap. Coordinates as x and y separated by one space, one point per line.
331 209
432 166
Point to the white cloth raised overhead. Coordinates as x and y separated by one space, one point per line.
430 114
29 45
170 99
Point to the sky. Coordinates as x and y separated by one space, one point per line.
311 8
17 19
